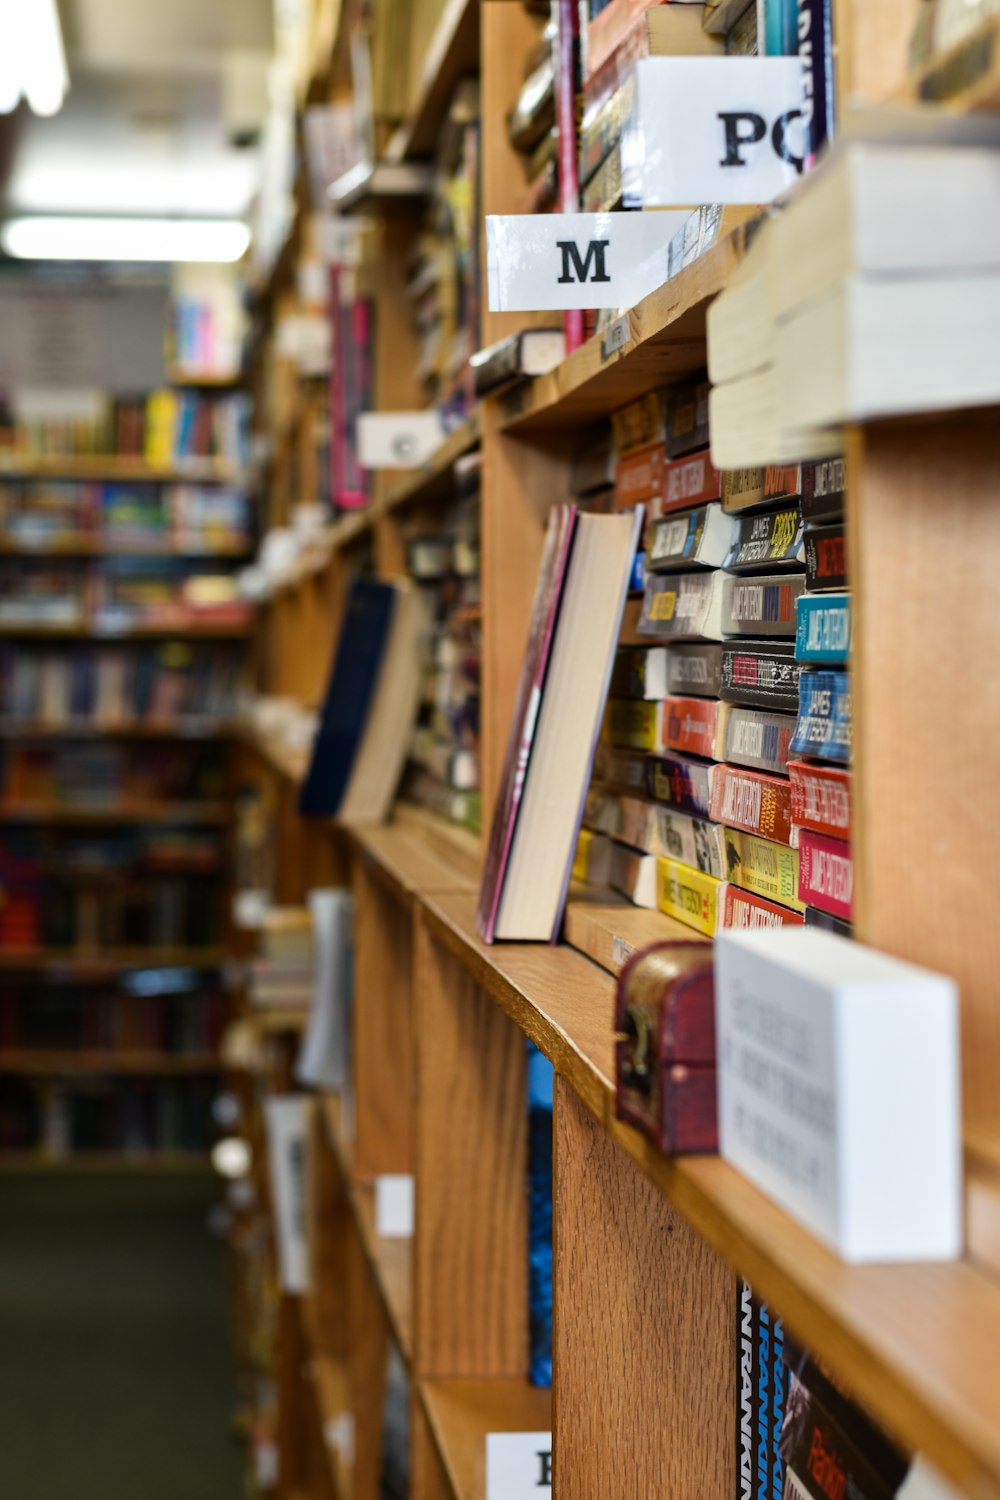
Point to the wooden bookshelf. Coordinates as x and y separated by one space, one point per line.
115 469
138 729
647 1249
44 1064
191 629
59 963
86 545
70 815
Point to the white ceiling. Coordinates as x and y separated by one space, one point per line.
157 89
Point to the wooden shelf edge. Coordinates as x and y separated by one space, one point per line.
964 79
590 383
291 764
460 1413
96 546
70 960
109 636
399 856
113 469
68 1064
918 1342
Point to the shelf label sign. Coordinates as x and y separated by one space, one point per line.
398 439
558 262
518 1465
713 130
394 1206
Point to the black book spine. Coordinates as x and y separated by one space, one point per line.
826 557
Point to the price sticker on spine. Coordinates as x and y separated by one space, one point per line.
518 1465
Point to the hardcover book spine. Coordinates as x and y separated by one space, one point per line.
753 801
823 486
824 724
743 910
695 726
760 606
757 738
681 782
688 895
695 668
768 539
763 675
764 867
821 798
688 481
826 874
823 629
826 557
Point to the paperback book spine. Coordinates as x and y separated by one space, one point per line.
639 476
704 536
682 606
634 723
640 674
823 629
753 801
640 423
688 481
621 770
759 738
767 540
764 867
826 874
746 911
742 489
695 726
824 724
760 606
763 674
687 418
821 798
816 55
826 557
689 840
823 487
688 896
827 922
694 668
681 781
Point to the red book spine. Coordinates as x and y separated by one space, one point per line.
742 909
639 476
754 801
826 874
688 482
690 725
821 798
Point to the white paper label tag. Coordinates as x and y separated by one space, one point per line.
398 439
714 130
518 1465
394 1207
541 262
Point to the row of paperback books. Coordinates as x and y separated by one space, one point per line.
722 793
443 772
117 686
94 777
118 1116
192 517
110 1020
163 427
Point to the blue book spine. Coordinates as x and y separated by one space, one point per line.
637 582
823 629
823 729
540 1086
781 27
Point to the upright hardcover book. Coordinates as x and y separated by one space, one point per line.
550 755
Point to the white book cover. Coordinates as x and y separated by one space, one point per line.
324 1060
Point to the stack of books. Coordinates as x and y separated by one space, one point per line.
130 1116
444 758
164 427
691 808
172 1012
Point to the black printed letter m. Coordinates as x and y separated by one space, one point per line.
571 259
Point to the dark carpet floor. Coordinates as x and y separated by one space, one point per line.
116 1381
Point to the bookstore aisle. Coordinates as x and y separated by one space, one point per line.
115 1371
499 520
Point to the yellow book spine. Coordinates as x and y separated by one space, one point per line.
764 868
633 723
688 895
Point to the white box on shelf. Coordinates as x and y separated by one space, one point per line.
839 1090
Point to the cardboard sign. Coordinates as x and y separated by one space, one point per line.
518 1465
394 1207
839 1090
714 130
398 439
539 262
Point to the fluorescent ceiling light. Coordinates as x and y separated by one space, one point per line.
164 240
32 59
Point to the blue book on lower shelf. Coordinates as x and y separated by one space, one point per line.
540 1086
